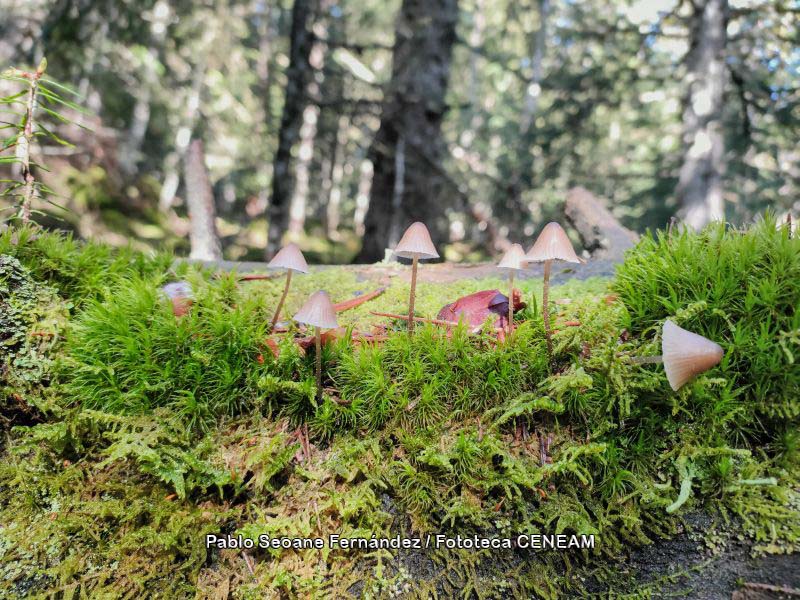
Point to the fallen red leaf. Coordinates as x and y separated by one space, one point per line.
476 308
326 337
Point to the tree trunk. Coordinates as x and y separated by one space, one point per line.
183 136
699 189
305 152
131 147
362 197
600 232
413 109
522 177
533 91
200 202
332 185
298 75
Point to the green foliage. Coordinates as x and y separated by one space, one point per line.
741 287
78 270
421 380
129 354
30 316
445 431
104 533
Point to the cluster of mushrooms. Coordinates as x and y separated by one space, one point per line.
684 354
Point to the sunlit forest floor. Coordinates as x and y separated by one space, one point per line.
130 433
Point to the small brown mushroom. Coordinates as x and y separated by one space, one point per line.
318 312
290 258
180 295
684 354
513 260
552 244
415 244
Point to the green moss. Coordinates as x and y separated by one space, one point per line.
165 428
739 288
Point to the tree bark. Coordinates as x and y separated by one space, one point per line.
332 184
183 136
413 109
131 147
298 76
522 175
200 202
601 233
699 189
305 152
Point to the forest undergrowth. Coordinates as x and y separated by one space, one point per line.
130 433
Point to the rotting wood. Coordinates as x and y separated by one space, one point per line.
600 232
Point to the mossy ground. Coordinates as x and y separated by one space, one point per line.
145 432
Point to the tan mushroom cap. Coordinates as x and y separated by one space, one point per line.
514 258
552 244
289 257
685 354
416 241
318 311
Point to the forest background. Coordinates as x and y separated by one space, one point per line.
335 123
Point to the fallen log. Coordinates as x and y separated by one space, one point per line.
600 232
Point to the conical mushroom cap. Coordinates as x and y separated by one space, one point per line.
552 244
318 311
514 258
416 241
686 354
289 257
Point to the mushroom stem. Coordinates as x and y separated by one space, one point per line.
318 347
510 301
545 310
412 297
283 298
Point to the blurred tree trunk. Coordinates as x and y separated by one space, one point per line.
699 189
131 146
522 179
534 89
298 76
305 152
333 122
409 138
268 31
332 182
200 202
362 197
183 136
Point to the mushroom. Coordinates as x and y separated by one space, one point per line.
290 258
513 260
318 312
415 244
684 354
180 295
552 244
